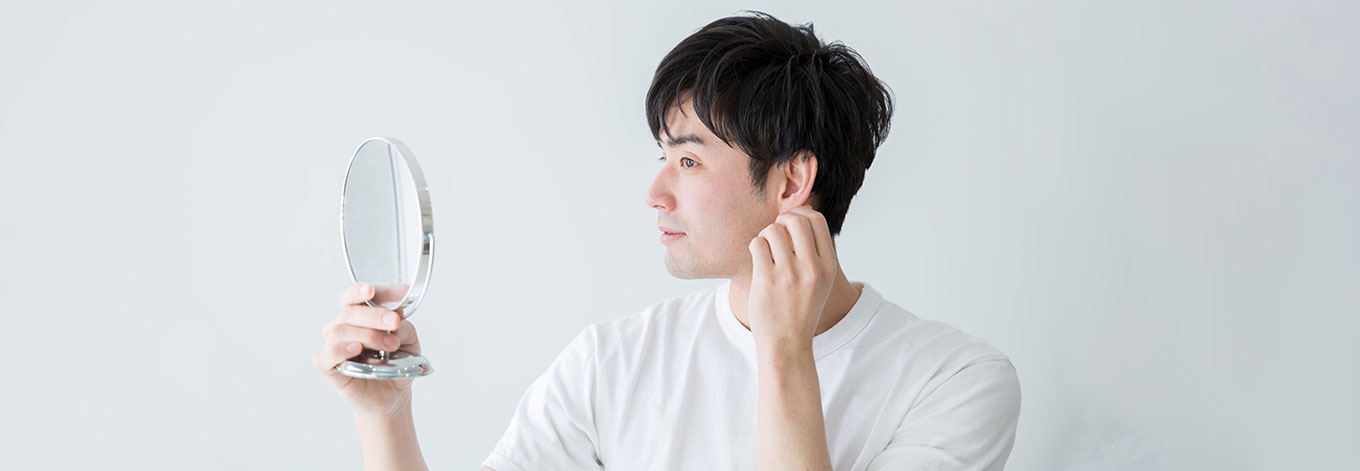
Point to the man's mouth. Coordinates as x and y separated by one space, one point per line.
669 235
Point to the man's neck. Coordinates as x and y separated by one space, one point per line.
843 296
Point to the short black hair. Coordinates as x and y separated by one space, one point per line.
774 90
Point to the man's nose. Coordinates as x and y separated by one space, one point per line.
658 195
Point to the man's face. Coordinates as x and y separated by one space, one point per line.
703 190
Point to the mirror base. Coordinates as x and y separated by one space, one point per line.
399 365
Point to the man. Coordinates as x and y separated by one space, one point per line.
765 133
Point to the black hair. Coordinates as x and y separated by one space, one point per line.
774 90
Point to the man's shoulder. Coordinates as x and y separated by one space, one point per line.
899 328
932 352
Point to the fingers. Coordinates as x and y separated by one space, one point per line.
761 261
407 335
781 249
356 293
360 326
800 232
368 316
346 341
794 236
799 235
820 230
332 354
371 339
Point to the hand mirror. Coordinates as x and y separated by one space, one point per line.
387 233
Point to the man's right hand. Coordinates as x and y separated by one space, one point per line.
362 326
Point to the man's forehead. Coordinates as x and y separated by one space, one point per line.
681 128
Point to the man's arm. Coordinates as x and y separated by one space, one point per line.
390 443
382 408
790 430
794 266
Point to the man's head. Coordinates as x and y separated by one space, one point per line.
755 117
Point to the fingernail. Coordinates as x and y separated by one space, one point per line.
391 341
390 318
363 289
352 348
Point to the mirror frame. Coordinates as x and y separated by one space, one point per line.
417 290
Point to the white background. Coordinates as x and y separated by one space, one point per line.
1150 206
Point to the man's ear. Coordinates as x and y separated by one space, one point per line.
795 180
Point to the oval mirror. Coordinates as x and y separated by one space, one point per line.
387 232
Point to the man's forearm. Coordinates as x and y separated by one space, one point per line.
389 443
790 429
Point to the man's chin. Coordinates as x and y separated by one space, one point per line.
687 276
681 269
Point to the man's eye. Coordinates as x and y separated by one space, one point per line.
684 161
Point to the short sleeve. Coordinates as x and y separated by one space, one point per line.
966 423
553 427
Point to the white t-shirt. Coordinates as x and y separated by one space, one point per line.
674 387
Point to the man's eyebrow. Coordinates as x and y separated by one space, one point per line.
682 139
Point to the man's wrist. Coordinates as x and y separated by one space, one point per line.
397 412
389 440
784 352
400 414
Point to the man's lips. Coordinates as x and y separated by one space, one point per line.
669 235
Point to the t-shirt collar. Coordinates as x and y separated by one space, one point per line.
833 339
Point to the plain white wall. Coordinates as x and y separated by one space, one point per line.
1150 206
